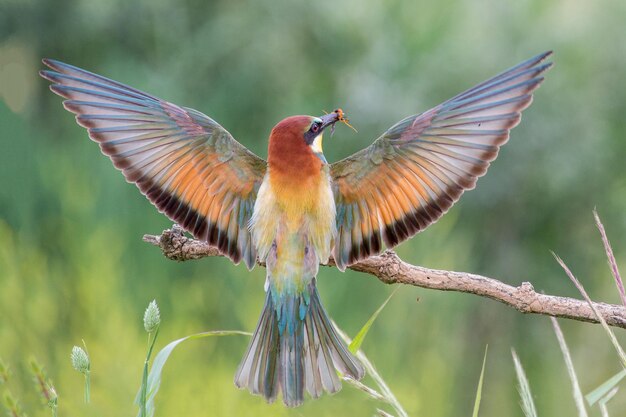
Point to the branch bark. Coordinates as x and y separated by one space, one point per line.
390 269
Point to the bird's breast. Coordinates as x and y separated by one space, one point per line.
294 211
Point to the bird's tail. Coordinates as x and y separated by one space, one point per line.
295 347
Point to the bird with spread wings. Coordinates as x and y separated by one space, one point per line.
295 210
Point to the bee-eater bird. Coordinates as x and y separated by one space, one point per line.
295 210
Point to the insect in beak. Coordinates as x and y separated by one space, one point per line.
341 117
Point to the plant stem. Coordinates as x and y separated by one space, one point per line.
382 386
144 381
87 386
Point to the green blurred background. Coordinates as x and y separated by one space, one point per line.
73 266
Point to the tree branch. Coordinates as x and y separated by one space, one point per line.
390 269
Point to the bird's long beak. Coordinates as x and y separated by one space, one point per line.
329 119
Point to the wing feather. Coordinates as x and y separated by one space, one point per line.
418 168
185 163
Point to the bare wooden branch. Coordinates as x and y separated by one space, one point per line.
390 269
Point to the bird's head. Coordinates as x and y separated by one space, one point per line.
300 136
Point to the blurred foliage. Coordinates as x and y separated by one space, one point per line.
72 264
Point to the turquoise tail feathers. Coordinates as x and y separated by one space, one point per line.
295 348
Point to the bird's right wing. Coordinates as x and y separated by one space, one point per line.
412 174
187 165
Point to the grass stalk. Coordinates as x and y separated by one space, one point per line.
152 337
527 403
583 292
383 389
602 403
577 393
611 258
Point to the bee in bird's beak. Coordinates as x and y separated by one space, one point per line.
336 116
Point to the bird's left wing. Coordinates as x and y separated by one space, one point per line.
418 168
187 165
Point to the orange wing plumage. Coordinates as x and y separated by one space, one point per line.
414 172
189 166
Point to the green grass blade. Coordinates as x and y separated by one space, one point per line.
604 389
356 343
527 403
578 395
154 378
479 390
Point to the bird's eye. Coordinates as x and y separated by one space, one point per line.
315 127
